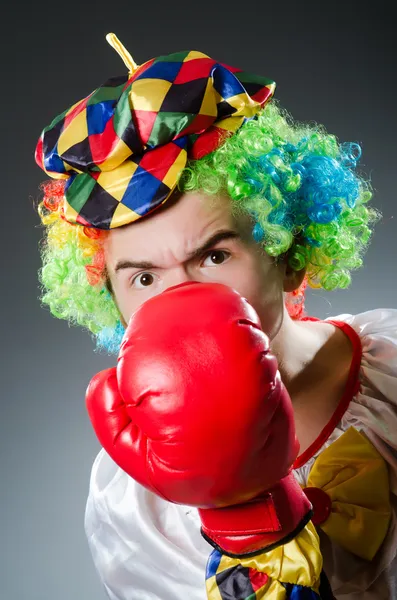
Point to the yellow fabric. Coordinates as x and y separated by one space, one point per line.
355 477
126 171
297 562
149 94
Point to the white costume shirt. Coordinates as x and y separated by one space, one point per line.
145 548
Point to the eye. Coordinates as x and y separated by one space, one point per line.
142 280
217 257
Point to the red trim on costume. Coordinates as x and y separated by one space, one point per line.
351 389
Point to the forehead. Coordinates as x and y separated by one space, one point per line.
182 225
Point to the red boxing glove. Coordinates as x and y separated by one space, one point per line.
196 412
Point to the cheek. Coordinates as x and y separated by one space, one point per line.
126 302
261 285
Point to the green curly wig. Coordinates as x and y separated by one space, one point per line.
297 183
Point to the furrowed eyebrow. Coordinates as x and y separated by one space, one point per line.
130 264
219 236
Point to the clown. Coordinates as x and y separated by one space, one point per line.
187 170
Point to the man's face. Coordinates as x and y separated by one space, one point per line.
195 239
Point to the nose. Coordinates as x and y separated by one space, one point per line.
178 276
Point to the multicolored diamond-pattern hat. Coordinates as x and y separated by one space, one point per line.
123 148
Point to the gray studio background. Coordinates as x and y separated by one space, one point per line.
334 63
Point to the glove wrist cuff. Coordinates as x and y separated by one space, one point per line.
267 521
